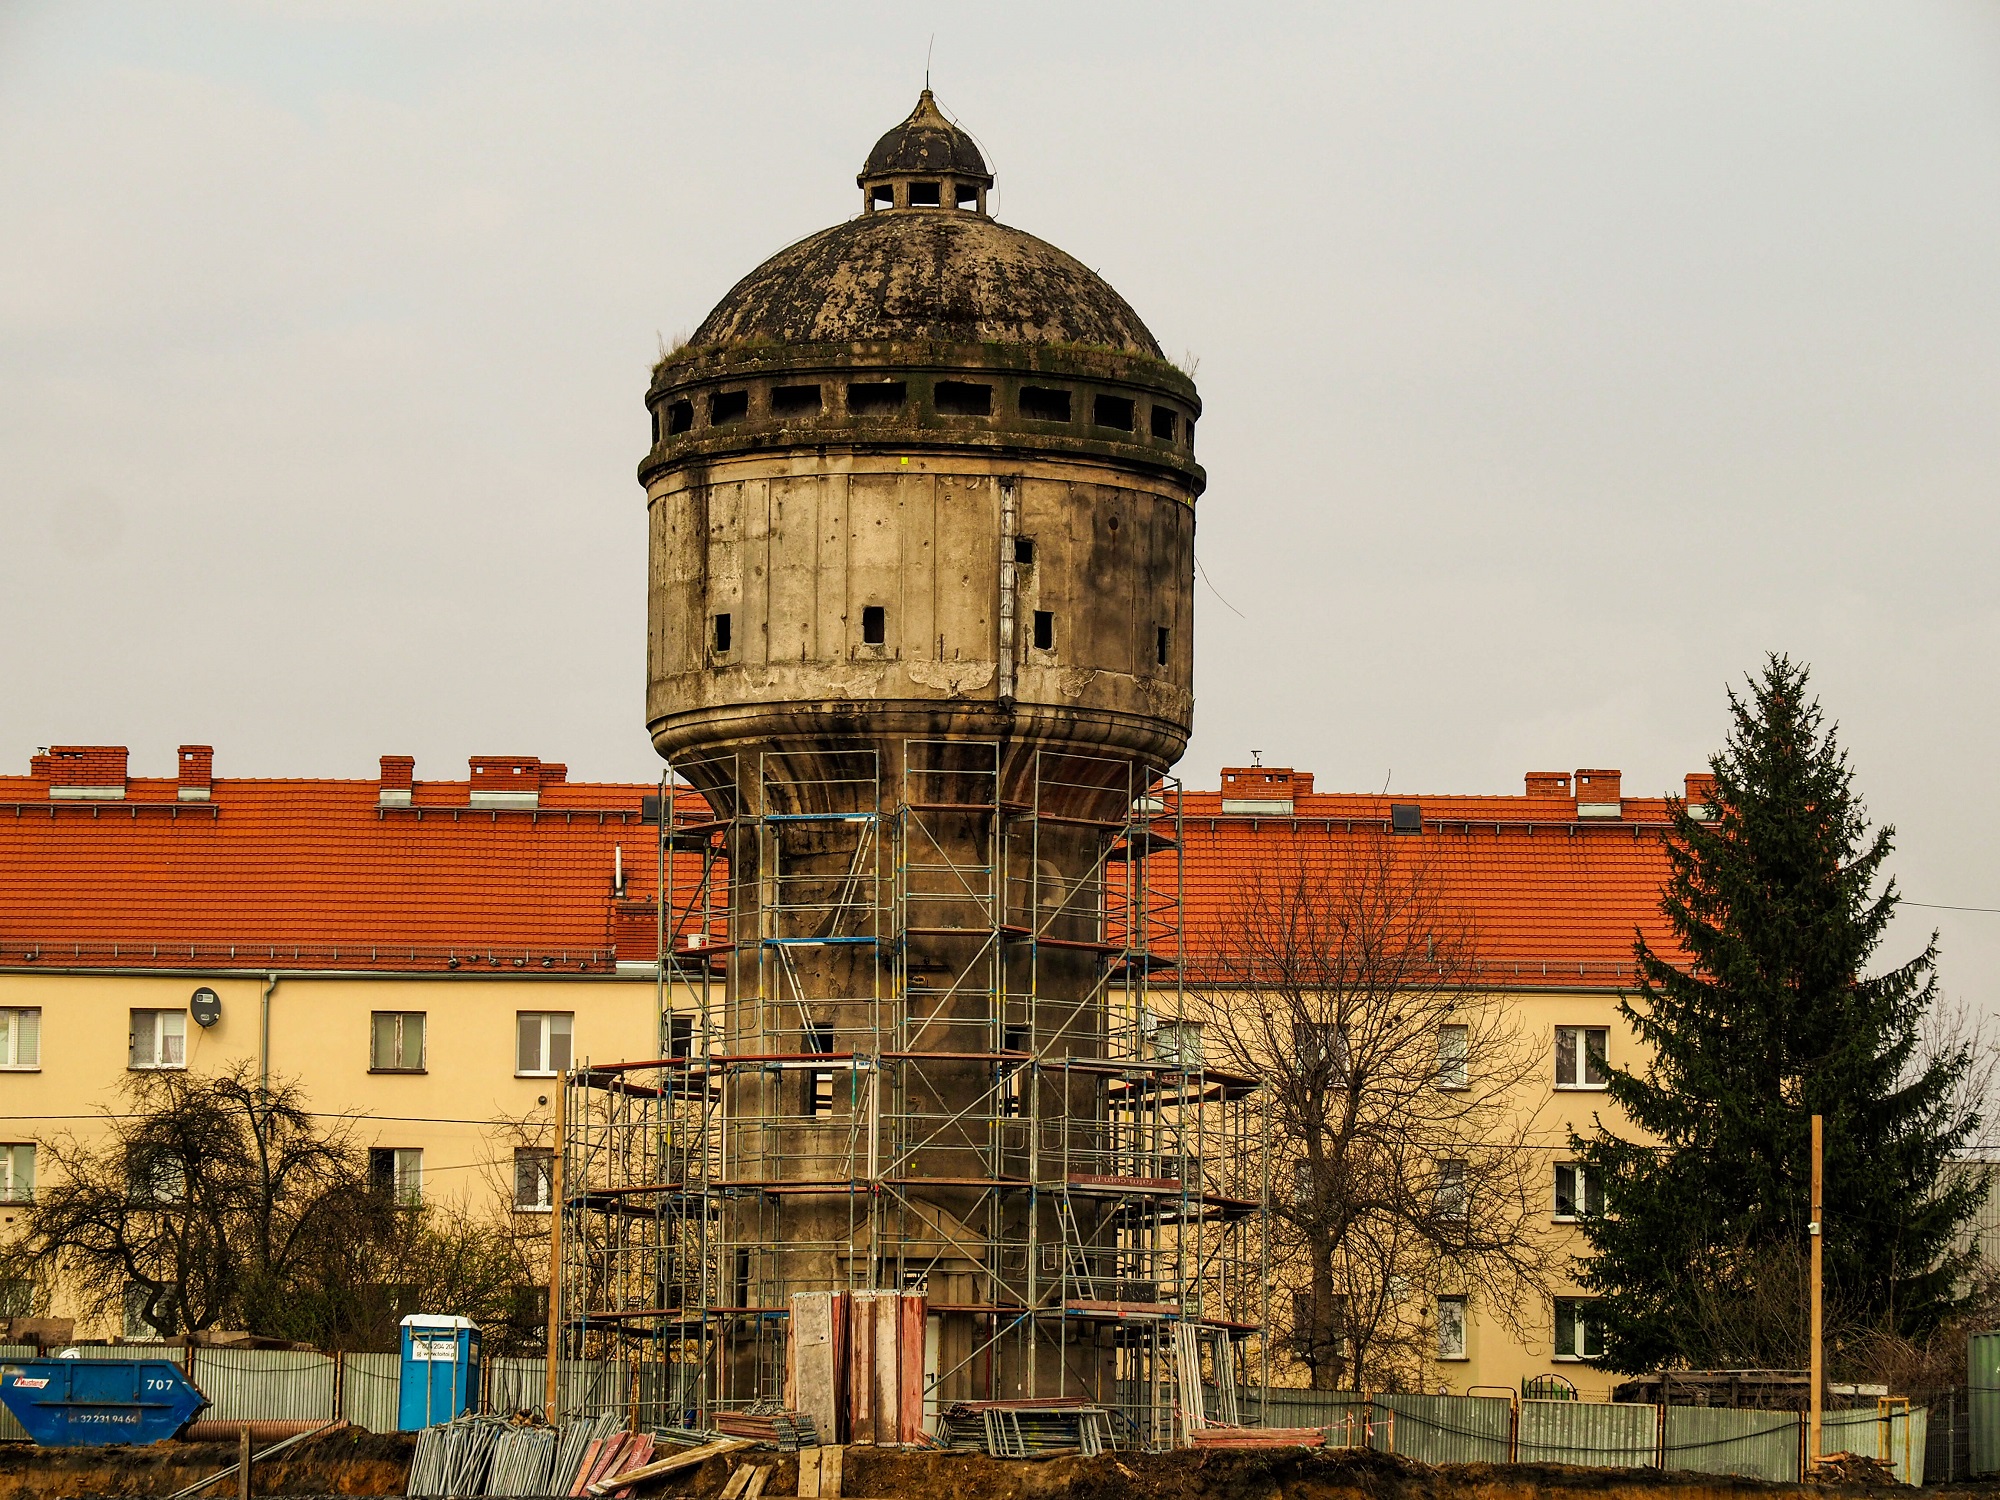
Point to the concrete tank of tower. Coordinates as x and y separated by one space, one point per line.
922 474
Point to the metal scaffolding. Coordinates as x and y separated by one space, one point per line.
938 1046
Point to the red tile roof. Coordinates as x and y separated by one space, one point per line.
1552 898
317 874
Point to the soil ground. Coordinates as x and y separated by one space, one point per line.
357 1463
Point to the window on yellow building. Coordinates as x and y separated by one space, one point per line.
21 1039
1454 1048
534 1179
137 1324
543 1043
17 1297
397 1172
1452 1197
1451 1328
1579 1192
397 1045
1578 1334
17 1174
1580 1057
159 1039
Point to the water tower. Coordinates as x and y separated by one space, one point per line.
921 502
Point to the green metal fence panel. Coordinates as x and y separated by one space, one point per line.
369 1387
1445 1429
1343 1416
1983 1382
588 1387
1592 1434
1722 1440
265 1385
1896 1437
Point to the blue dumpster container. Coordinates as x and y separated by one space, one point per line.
440 1375
79 1403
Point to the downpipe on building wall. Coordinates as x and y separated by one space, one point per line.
264 1037
1010 524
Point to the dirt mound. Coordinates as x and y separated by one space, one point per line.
348 1462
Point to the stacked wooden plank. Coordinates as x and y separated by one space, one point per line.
1258 1437
855 1364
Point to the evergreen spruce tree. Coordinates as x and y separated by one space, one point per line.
1766 1018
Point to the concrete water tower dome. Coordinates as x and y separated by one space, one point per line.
921 505
922 473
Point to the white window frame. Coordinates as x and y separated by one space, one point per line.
1585 1182
400 1024
137 1329
1454 1062
1454 1191
15 1023
1451 1320
1580 1058
17 1172
1585 1328
406 1174
1179 1043
546 1029
163 1026
542 1160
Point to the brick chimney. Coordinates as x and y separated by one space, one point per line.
1267 791
399 779
554 773
90 773
506 781
1597 794
1700 793
197 772
1549 784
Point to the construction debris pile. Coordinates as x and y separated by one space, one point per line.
477 1455
1025 1429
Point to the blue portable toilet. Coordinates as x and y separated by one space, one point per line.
440 1369
90 1403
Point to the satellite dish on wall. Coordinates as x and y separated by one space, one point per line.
205 1006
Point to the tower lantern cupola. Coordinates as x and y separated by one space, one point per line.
925 162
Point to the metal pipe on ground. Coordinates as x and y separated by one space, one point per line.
201 1484
261 1431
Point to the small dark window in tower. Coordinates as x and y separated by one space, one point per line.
819 1098
722 635
962 398
867 397
924 195
1165 420
1045 630
1406 817
874 625
1040 404
728 406
680 416
882 195
1190 432
1112 411
656 426
795 401
1024 551
1161 640
966 194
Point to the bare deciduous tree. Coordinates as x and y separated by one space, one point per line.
1401 1162
212 1200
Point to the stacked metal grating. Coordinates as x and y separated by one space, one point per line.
770 1422
475 1455
1026 1431
522 1459
962 1428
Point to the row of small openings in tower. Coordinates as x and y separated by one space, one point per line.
954 398
874 629
875 624
924 194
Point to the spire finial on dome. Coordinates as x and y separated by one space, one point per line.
925 162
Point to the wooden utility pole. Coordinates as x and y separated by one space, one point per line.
554 1344
1817 1232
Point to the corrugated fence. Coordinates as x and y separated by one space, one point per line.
1599 1434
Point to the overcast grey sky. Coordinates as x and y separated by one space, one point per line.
1559 360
